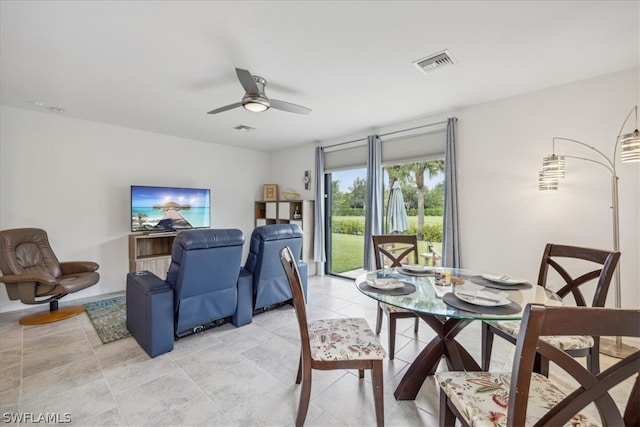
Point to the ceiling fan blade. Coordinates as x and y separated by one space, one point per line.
247 82
225 108
289 107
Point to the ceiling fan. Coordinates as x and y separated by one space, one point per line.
255 99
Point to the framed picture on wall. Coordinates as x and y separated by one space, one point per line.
270 192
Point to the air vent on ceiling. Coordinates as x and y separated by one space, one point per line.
435 62
244 128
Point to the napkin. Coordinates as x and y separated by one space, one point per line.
440 290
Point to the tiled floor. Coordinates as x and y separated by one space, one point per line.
226 376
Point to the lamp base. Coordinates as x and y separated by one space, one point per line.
614 347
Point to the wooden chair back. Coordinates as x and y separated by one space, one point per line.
293 276
539 320
607 260
404 245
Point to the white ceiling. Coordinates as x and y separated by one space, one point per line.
161 65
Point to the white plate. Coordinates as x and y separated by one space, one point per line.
504 279
487 299
416 268
385 284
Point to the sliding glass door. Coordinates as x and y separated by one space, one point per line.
414 162
345 221
420 186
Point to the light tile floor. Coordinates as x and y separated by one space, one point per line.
225 376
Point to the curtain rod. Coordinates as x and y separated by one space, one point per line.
386 134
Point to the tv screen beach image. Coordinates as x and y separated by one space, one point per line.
168 208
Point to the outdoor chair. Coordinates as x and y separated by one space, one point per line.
33 274
395 248
522 397
578 346
341 343
432 257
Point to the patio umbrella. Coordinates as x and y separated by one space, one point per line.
396 212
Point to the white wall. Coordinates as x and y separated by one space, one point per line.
504 220
72 178
287 169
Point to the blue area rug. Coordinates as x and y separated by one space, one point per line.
109 317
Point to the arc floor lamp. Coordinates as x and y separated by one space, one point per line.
553 169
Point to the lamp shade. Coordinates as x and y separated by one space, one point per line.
630 147
553 166
546 182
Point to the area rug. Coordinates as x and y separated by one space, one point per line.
109 318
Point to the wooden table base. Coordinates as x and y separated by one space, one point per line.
443 345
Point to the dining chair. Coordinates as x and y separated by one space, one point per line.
342 343
523 397
395 248
578 346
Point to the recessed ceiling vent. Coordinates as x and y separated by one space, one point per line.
244 128
435 62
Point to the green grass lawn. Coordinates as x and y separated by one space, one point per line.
348 249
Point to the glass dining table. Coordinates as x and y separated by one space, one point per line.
449 299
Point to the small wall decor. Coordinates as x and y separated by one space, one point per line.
270 192
307 179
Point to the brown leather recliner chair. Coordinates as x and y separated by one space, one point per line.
33 274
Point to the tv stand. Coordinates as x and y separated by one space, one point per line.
151 251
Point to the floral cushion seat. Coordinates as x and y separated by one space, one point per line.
569 342
392 308
344 339
482 398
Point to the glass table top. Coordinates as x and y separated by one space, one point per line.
428 296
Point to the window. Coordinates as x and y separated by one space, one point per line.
416 160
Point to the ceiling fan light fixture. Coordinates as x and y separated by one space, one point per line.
255 100
254 106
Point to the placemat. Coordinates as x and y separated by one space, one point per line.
407 289
479 280
428 272
452 300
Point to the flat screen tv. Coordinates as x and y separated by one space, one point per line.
157 209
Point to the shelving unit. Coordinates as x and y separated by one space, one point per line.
290 212
151 252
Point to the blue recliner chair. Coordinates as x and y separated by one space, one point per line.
201 287
263 267
204 271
